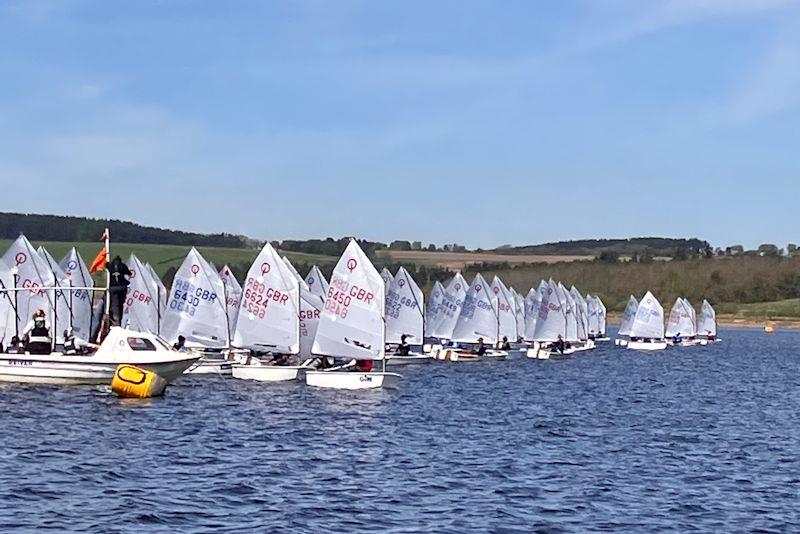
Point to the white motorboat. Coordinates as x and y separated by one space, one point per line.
121 346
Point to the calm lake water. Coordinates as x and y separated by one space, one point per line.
703 439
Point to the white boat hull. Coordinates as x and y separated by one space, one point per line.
210 367
647 345
455 355
351 379
98 368
65 370
621 342
413 358
266 373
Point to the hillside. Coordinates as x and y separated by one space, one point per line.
38 227
652 246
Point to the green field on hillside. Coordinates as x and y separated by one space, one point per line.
762 310
162 257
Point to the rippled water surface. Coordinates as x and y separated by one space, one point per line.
703 439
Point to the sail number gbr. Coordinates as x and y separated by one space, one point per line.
341 294
257 296
186 297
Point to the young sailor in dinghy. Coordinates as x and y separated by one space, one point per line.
480 349
403 349
505 345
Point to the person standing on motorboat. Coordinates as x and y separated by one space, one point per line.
37 334
180 345
505 345
480 350
403 349
118 288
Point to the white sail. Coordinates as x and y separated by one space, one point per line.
352 322
581 313
140 311
295 273
680 320
601 316
592 315
649 319
310 309
569 307
628 316
452 303
404 309
162 295
693 314
196 305
32 273
316 282
506 310
8 317
432 313
552 320
387 278
269 313
532 301
478 317
233 295
80 301
63 315
519 312
707 325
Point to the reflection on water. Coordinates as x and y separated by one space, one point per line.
689 439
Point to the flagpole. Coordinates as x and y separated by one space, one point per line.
108 273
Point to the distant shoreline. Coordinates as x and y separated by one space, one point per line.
732 321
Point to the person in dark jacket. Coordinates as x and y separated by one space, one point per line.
118 289
480 350
403 349
505 345
37 334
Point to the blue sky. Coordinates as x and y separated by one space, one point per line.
480 123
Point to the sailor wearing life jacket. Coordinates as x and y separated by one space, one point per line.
37 334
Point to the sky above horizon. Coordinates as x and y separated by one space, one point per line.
481 123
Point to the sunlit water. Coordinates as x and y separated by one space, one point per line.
703 439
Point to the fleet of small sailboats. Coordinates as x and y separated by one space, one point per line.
280 326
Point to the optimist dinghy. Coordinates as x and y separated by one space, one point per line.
627 321
405 317
707 325
479 319
647 330
269 319
121 346
550 325
352 324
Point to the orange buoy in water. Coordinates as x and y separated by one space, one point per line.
769 329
